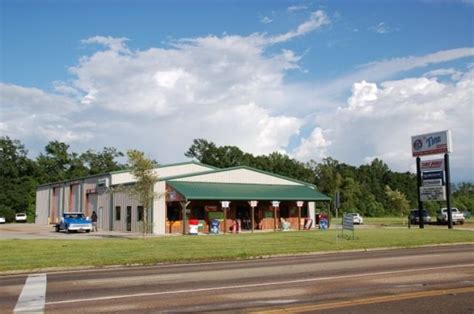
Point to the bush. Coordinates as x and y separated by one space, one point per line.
8 213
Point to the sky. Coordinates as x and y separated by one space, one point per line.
351 80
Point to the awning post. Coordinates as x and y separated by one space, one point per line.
275 205
253 204
299 204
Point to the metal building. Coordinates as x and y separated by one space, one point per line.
190 190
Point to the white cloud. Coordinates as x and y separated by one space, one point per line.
313 147
380 70
294 8
113 43
219 88
453 73
380 28
266 20
31 112
379 120
317 20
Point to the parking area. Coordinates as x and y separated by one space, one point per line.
34 231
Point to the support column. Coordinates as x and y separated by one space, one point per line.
159 208
299 204
253 204
312 212
225 206
448 191
275 205
184 205
420 203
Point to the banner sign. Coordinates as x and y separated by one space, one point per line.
432 165
431 143
433 182
432 175
432 193
225 204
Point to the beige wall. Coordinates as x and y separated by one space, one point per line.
164 172
239 176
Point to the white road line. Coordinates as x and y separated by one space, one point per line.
32 297
135 295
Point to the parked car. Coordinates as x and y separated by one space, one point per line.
20 217
456 215
357 218
74 221
2 220
415 217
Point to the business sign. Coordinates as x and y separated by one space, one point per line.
225 204
431 143
432 182
348 222
432 165
432 175
432 193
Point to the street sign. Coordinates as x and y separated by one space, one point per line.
299 203
432 165
432 175
275 203
433 182
253 203
431 143
432 193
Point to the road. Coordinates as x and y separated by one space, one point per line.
423 280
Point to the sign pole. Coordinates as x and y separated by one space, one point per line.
448 191
420 203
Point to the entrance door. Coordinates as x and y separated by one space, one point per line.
243 213
129 218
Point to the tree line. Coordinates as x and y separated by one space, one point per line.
372 189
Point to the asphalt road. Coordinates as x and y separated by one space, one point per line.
423 280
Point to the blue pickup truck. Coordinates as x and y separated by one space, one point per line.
74 221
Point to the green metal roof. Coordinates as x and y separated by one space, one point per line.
237 191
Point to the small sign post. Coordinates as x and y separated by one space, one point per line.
348 224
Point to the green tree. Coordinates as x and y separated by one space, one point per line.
328 179
397 201
17 180
142 190
350 193
102 162
57 164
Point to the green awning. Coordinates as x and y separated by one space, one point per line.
236 191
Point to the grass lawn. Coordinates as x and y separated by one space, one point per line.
37 254
399 221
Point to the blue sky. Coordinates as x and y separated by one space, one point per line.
348 79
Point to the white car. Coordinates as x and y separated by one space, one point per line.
2 220
20 217
357 218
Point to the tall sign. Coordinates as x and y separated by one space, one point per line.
430 173
431 143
